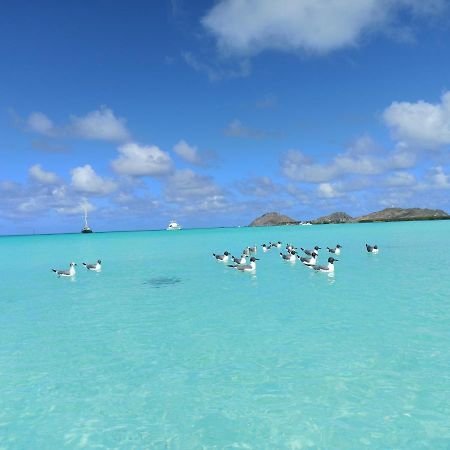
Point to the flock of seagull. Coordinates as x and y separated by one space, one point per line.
309 259
241 264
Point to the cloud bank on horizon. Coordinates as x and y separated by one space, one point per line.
238 151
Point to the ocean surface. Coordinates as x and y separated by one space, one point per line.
168 349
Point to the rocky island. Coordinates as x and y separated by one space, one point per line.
273 219
386 215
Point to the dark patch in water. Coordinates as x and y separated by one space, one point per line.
160 282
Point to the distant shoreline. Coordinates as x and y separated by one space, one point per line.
434 219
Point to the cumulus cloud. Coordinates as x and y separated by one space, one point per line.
328 190
438 179
140 160
364 157
38 122
246 27
191 154
38 174
400 179
100 124
194 193
86 180
28 200
421 124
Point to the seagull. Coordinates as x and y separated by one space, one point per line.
246 251
66 273
97 267
246 267
308 260
372 248
290 256
265 247
290 247
253 249
241 260
223 258
276 244
329 268
309 252
336 250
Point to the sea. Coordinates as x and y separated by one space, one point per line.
166 348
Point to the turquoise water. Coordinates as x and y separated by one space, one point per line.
168 349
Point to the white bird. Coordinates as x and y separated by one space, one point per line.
328 268
372 248
246 267
309 252
336 250
265 248
290 256
241 260
309 260
66 273
224 258
253 249
97 267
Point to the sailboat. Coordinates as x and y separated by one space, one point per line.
86 228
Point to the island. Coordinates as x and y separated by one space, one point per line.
385 215
273 219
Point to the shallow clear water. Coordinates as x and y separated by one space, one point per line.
168 349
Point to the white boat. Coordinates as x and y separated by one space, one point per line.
173 225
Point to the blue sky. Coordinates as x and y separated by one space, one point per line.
213 113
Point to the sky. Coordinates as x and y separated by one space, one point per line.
215 112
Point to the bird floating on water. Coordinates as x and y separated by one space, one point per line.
241 260
97 267
66 273
246 267
308 260
289 256
310 252
372 248
223 258
328 268
336 250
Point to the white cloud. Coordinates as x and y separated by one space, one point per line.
39 123
139 160
246 27
42 176
328 190
186 185
187 152
439 179
84 179
101 125
78 208
420 124
193 155
401 179
362 158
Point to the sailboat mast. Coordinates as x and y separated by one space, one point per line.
85 218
